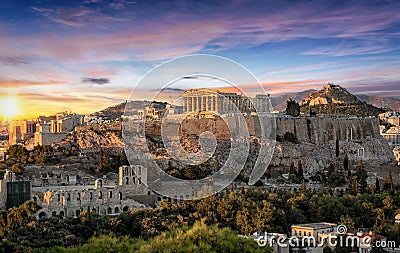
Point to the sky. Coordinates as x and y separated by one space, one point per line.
83 56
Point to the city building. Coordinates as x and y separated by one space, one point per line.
313 229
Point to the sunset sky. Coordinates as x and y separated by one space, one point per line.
85 55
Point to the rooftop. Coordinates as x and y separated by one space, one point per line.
318 225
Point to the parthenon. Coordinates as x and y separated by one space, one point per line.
204 99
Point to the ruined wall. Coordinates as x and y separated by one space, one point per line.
317 130
320 130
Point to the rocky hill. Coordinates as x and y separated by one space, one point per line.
279 101
333 99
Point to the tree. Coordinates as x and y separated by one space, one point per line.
303 187
292 108
337 147
299 170
377 186
361 178
292 170
17 154
17 168
389 180
346 165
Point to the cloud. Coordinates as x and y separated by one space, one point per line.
77 17
170 90
15 83
9 60
91 80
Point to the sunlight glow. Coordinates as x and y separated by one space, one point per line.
9 107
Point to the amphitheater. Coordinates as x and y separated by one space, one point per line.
111 198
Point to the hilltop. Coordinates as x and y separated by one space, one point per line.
333 99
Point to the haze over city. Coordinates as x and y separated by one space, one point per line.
83 56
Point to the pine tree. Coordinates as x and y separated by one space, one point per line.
389 180
299 171
377 186
337 147
346 165
292 170
361 178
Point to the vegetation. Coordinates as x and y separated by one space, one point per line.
292 108
245 211
288 136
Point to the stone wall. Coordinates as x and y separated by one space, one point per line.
320 130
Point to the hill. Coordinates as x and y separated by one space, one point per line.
333 99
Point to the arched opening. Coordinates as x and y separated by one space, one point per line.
125 209
79 196
120 195
127 180
109 210
94 210
133 180
58 197
54 214
139 181
77 213
62 214
110 194
100 195
116 210
42 215
69 197
91 195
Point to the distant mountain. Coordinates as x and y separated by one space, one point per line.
378 101
279 102
333 99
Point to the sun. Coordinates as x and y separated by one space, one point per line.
9 107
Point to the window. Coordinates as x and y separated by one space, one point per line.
79 196
100 195
91 195
361 152
110 194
